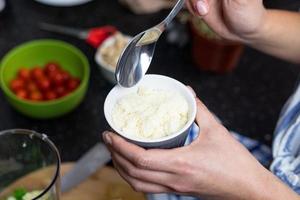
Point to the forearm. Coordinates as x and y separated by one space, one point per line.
280 35
271 188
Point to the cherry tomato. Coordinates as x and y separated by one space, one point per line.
22 93
58 79
31 86
43 83
51 67
35 96
60 91
37 73
51 75
46 83
73 84
24 74
50 95
66 76
17 84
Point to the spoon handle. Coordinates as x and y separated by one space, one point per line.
172 14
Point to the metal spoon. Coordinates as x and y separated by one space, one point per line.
136 57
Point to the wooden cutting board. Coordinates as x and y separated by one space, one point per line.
105 184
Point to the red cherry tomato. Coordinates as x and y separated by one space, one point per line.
50 95
37 73
22 93
35 96
46 83
58 79
24 74
51 67
60 91
17 84
66 76
73 84
43 84
51 75
31 86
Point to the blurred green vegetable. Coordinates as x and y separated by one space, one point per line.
19 193
204 29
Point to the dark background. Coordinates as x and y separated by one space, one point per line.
247 100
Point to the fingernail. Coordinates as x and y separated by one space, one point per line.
202 7
107 138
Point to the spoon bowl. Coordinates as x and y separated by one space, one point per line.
137 56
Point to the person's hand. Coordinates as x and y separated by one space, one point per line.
215 165
239 20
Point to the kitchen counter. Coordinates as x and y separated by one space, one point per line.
247 100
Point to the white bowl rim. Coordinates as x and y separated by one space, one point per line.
98 57
163 139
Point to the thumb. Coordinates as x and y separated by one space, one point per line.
204 118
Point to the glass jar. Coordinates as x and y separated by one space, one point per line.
29 162
210 52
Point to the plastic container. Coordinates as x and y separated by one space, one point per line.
39 52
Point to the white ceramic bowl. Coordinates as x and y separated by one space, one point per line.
107 70
157 82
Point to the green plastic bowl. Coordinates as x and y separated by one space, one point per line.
39 52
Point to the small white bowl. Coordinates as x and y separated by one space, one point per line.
156 82
107 70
